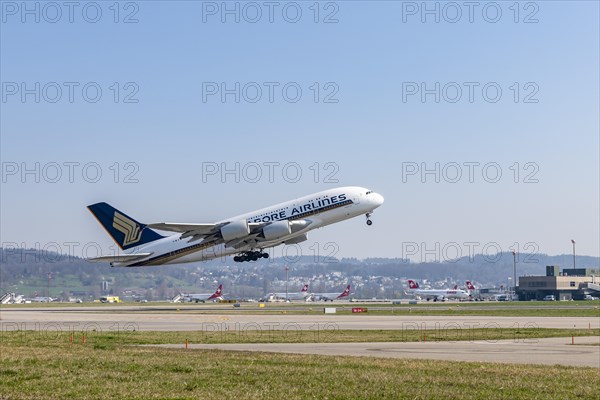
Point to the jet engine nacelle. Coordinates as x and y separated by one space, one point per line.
276 230
235 230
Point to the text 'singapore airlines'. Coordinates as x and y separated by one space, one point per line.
244 236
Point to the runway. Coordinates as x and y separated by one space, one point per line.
119 318
530 351
549 351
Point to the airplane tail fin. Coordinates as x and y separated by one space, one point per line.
124 230
412 284
217 293
470 286
305 288
345 292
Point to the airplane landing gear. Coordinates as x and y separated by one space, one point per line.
369 222
250 256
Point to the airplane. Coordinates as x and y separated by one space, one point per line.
245 236
40 299
330 296
437 294
301 295
204 297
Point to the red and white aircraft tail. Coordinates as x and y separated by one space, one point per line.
470 286
412 284
304 289
345 293
216 294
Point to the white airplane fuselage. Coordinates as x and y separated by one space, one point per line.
306 213
441 294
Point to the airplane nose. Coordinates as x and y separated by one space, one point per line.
377 199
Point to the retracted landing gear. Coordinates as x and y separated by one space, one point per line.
250 256
369 222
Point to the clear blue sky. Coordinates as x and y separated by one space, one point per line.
176 52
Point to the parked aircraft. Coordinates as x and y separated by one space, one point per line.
330 296
301 295
436 294
204 297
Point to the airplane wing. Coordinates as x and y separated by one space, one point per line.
200 229
120 257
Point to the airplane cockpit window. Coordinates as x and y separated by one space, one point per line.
369 192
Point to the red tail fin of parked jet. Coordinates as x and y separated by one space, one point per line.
470 286
217 293
305 288
412 284
345 293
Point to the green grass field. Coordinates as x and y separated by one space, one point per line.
115 339
34 366
508 309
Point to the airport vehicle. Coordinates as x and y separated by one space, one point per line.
502 297
204 297
329 296
301 295
437 294
110 299
590 297
245 236
550 297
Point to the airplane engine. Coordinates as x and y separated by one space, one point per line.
276 230
235 230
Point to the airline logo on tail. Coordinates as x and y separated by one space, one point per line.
470 286
412 284
127 227
217 293
305 288
345 293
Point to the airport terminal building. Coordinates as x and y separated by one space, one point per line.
570 284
